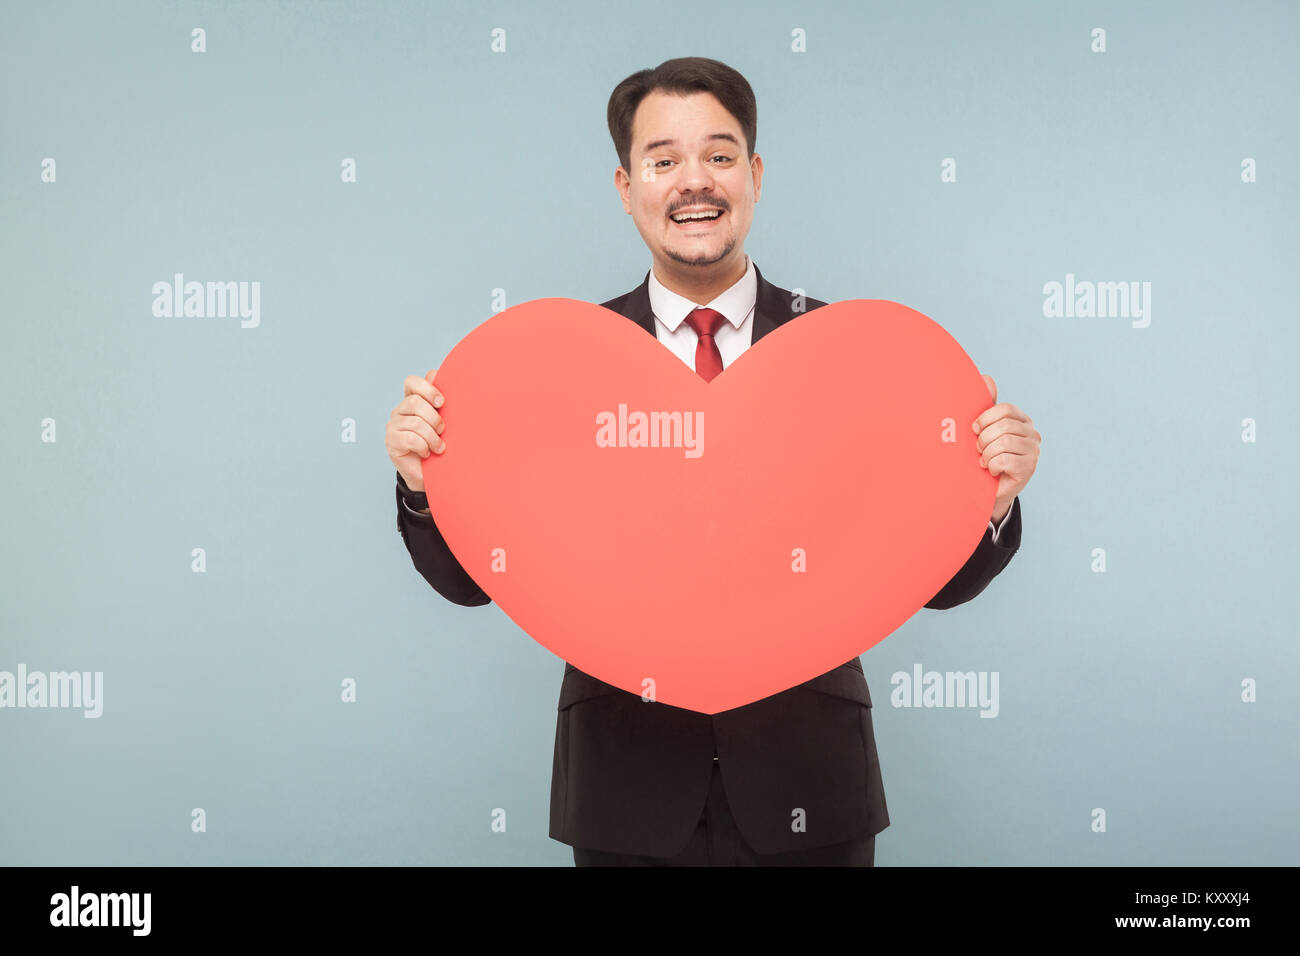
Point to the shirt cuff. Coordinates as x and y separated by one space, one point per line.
997 529
413 500
413 512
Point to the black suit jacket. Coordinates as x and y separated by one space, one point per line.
631 777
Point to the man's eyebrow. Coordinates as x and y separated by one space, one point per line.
672 142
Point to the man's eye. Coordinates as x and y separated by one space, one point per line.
721 156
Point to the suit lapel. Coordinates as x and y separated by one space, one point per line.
770 307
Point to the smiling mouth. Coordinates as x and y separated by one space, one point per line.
697 220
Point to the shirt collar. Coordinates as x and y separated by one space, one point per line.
735 304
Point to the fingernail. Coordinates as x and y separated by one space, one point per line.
437 401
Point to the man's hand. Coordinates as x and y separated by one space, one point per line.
414 429
1008 444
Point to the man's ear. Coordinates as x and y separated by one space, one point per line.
622 182
756 169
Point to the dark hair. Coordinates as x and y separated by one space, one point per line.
685 75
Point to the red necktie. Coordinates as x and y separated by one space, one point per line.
708 360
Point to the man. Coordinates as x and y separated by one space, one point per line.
790 779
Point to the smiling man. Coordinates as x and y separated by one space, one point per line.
688 182
793 779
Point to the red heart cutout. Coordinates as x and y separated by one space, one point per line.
842 436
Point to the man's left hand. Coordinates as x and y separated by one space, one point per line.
1008 444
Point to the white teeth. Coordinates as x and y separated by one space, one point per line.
688 216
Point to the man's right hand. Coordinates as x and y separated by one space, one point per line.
415 429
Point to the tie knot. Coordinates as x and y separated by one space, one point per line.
705 321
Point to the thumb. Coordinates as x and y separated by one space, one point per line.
993 387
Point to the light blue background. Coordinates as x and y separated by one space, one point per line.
476 171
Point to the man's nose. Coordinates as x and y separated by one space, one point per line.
696 177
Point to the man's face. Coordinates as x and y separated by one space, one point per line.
688 152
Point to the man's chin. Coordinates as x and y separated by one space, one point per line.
690 257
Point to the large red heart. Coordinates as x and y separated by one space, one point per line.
836 489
